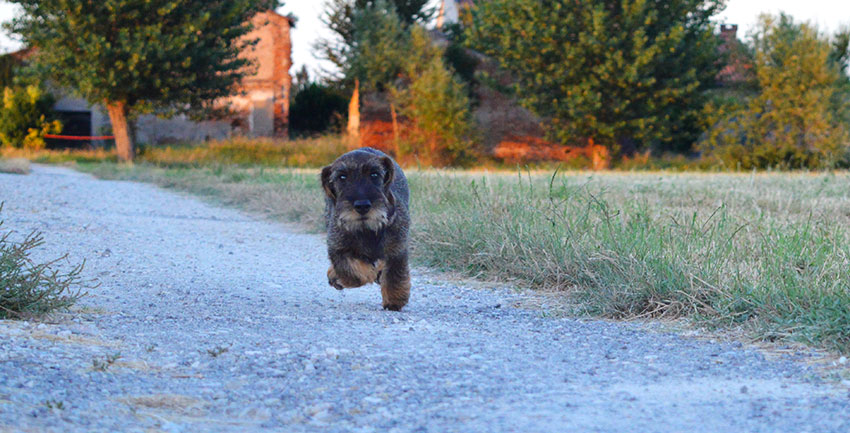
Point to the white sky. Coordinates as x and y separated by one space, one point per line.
827 14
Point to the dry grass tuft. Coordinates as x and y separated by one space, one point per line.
15 166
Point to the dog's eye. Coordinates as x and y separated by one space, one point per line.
342 177
375 175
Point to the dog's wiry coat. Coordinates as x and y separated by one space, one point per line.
368 221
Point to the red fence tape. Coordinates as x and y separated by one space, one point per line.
80 137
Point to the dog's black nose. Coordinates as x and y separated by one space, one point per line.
362 206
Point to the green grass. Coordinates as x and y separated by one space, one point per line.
768 253
765 253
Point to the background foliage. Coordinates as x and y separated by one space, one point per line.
25 117
797 118
317 108
617 71
139 56
340 17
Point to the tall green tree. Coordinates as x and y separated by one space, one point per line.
794 121
613 71
340 15
380 49
137 56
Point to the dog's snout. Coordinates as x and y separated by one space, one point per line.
362 206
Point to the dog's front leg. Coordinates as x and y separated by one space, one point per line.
347 272
395 282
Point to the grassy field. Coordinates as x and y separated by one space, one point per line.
768 254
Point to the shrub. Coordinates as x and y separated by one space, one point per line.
317 108
24 117
30 288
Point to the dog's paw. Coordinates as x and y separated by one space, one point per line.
393 307
333 280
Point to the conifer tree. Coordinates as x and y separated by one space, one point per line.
614 71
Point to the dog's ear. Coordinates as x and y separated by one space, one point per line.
389 171
326 182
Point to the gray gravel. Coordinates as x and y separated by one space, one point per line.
209 319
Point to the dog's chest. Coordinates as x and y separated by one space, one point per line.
367 245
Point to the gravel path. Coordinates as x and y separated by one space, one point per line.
224 322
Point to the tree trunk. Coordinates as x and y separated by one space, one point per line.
354 118
395 131
600 156
121 131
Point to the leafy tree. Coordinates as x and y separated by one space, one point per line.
793 120
378 53
610 70
24 117
340 17
436 103
137 56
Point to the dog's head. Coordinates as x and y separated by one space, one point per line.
358 186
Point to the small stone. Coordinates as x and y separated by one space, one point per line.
316 409
842 360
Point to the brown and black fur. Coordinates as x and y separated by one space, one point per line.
367 220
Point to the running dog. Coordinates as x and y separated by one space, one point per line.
367 219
